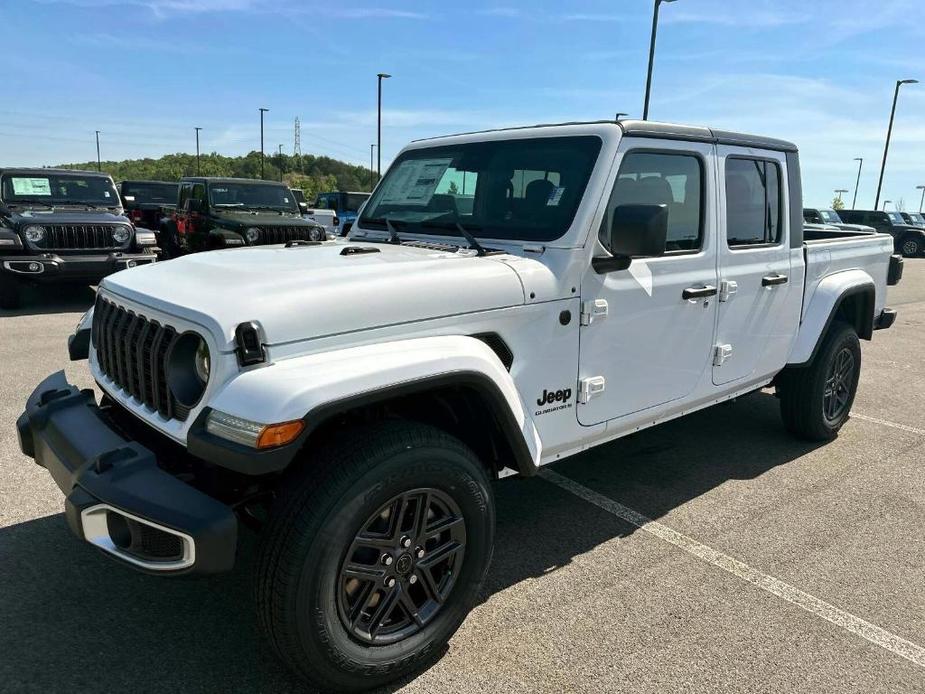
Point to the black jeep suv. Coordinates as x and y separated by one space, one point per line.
63 226
216 213
147 203
907 239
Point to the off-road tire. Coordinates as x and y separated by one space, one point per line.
912 246
802 391
321 507
10 293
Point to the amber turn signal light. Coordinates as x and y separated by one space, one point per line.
280 434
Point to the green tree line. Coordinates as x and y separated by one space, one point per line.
310 173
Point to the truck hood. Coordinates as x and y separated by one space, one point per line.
66 216
307 292
242 220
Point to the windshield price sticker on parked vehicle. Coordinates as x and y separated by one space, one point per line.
31 186
414 182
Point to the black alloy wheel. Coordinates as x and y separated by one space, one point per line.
839 386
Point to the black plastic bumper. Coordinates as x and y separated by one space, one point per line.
886 319
50 267
896 270
65 431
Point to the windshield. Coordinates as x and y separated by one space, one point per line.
165 193
252 196
523 189
298 195
830 217
59 189
896 218
917 218
354 201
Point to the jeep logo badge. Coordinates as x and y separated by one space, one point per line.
549 397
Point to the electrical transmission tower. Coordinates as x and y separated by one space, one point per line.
297 145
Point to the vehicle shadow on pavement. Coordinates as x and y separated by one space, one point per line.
75 620
53 298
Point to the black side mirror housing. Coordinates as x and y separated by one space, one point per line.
637 231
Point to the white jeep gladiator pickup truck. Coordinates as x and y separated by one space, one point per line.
506 299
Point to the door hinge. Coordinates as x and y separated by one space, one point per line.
589 387
726 289
722 353
593 310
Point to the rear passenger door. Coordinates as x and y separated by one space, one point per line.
759 300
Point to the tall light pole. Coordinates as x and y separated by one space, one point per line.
922 201
889 134
381 76
280 157
262 111
840 191
197 129
99 163
371 148
885 203
854 203
645 108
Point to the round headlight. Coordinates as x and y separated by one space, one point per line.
188 366
34 233
252 235
121 234
201 361
316 234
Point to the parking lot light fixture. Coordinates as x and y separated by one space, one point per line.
197 129
889 134
645 108
280 156
839 191
854 203
885 203
372 147
99 164
617 117
381 76
922 201
262 111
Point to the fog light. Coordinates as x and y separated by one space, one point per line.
34 267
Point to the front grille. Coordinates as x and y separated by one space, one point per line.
65 237
282 234
132 352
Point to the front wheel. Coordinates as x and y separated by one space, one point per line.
912 247
374 555
816 400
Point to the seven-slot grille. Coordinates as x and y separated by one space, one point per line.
282 234
79 236
132 351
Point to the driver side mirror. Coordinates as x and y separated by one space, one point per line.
637 231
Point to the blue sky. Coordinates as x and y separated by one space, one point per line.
818 72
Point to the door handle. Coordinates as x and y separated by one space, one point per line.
773 280
698 292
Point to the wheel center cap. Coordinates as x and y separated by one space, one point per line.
403 565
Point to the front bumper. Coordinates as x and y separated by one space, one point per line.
50 267
116 495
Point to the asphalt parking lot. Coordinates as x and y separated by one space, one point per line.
762 564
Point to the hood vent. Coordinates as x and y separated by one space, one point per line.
358 250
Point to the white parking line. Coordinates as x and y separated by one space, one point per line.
775 586
887 423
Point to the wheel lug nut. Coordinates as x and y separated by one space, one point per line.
419 552
387 559
390 583
412 579
406 542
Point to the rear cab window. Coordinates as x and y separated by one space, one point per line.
753 202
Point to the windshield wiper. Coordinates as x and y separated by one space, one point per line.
393 235
470 239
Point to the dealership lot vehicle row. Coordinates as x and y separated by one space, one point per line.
575 600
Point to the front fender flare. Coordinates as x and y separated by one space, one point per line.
316 387
822 307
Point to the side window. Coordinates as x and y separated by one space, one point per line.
184 195
812 216
753 202
673 180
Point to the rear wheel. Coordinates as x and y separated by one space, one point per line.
374 555
816 400
912 247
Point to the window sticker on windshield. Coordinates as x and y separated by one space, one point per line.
414 182
105 193
31 186
555 196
